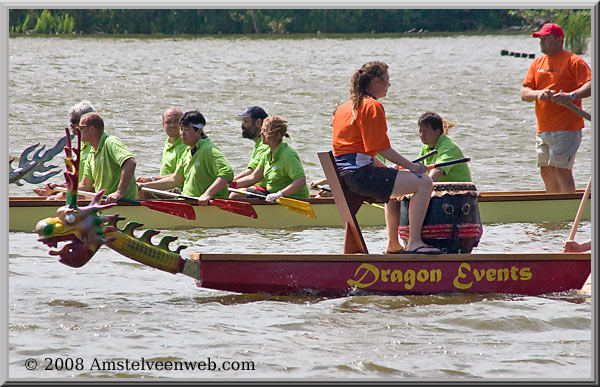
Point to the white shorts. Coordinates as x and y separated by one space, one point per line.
557 149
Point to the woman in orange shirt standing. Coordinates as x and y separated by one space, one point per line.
359 134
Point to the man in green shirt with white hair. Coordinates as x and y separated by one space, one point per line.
110 166
75 114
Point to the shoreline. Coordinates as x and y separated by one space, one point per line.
291 36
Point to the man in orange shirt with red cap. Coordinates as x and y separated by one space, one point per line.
554 80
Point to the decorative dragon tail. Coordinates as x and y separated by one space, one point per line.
85 231
28 167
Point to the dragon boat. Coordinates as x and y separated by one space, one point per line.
494 207
84 230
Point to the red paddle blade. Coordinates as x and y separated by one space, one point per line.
42 192
183 210
241 208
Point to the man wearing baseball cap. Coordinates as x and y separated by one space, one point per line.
252 120
553 81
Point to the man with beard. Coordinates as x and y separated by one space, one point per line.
252 122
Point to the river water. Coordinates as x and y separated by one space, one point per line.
117 310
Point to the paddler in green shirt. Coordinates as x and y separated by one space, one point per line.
172 151
252 120
203 169
110 166
433 131
75 114
281 167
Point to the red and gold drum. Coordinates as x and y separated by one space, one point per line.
452 223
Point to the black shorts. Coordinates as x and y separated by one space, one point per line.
374 183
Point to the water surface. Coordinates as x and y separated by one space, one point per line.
114 309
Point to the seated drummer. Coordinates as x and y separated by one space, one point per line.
433 131
203 169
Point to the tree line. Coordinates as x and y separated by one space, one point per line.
255 21
294 21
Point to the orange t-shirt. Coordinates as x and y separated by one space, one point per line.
367 134
564 71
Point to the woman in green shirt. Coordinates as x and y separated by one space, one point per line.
281 167
433 131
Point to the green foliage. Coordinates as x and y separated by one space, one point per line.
30 22
44 23
576 24
67 24
60 23
257 21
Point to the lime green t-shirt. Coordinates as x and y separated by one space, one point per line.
448 150
104 166
202 169
83 155
282 169
260 150
171 155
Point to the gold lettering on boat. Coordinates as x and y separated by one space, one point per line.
368 268
384 275
461 275
464 280
372 273
503 275
525 273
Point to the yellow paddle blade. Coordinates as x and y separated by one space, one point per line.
298 206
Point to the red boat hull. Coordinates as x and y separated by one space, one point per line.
345 274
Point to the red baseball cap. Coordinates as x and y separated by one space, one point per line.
549 28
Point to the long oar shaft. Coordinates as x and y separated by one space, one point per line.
295 205
365 202
236 207
92 194
452 162
580 210
577 110
168 193
433 152
182 210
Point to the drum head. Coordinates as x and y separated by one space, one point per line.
450 188
454 188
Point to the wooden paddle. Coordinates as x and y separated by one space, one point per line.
433 152
42 192
298 206
586 288
321 187
182 210
236 207
451 162
580 210
577 110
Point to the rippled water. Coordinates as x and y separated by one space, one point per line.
115 309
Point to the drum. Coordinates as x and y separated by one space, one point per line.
452 223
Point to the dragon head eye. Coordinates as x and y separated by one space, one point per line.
70 218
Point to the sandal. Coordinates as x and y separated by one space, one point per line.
418 250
